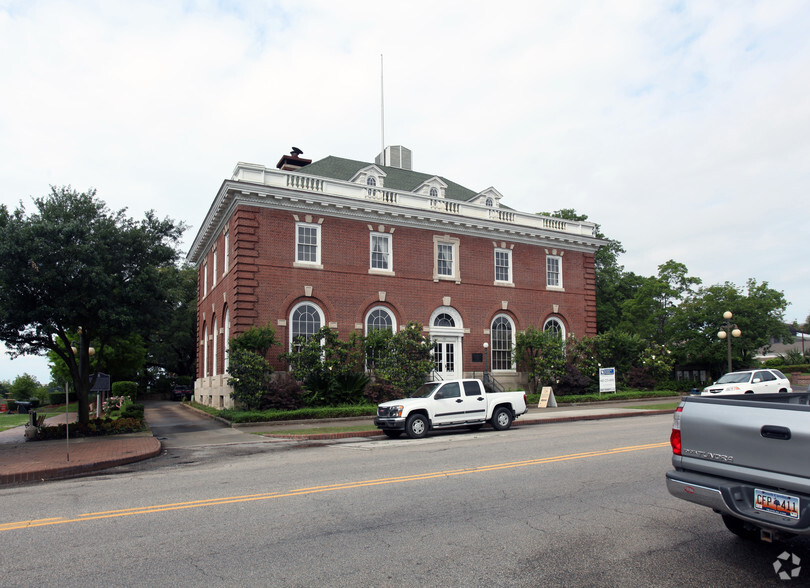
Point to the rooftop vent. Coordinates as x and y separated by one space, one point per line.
395 156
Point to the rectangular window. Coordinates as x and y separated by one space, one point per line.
445 259
381 251
227 253
214 273
205 279
503 265
554 271
307 243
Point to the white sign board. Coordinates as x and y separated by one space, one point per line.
607 380
547 399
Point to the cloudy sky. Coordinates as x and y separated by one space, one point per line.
682 128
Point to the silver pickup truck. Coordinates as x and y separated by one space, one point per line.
748 459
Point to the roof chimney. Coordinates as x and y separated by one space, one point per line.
292 161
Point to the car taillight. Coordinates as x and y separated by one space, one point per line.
675 437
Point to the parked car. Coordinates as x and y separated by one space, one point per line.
762 381
452 403
182 393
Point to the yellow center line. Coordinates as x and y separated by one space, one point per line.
317 489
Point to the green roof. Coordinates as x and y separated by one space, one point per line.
396 178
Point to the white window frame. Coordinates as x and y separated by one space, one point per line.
227 259
215 348
308 263
214 272
389 270
557 320
317 308
554 259
226 341
492 350
508 253
453 243
205 278
387 311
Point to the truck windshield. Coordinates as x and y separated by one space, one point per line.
735 378
425 390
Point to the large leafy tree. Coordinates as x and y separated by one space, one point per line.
74 264
758 312
649 311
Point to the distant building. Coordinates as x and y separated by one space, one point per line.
356 246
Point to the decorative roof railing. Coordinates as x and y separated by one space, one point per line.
258 174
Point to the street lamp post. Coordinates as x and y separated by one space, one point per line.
728 331
486 352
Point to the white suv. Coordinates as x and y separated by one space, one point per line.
764 381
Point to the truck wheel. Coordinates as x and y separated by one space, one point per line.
741 528
392 434
502 419
416 426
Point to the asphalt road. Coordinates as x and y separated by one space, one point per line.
573 504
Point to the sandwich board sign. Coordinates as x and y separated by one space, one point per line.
547 399
607 380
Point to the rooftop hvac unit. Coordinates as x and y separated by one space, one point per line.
396 156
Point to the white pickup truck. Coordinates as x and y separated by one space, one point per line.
746 458
452 403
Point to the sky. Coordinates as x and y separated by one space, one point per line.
681 128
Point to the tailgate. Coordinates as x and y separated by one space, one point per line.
719 435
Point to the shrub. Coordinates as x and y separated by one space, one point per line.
95 428
132 411
283 393
129 389
59 397
381 391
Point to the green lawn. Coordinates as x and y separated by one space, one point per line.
9 421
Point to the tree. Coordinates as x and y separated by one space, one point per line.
248 367
24 387
649 311
758 312
402 360
330 368
540 354
172 345
75 264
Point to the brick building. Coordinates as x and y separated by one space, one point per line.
356 245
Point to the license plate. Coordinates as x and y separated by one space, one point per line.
780 504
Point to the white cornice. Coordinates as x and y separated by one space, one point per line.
234 192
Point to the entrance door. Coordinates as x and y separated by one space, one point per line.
446 357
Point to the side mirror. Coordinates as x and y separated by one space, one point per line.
757 380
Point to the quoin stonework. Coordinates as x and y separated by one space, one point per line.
357 245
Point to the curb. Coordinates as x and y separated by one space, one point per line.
550 420
70 471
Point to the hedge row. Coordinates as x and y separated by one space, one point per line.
95 428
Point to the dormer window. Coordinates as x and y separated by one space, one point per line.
490 202
434 193
371 181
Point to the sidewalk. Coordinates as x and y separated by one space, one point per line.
34 461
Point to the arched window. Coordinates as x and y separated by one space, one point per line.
502 342
444 320
227 340
490 202
214 363
379 318
555 326
205 350
434 193
306 319
371 181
